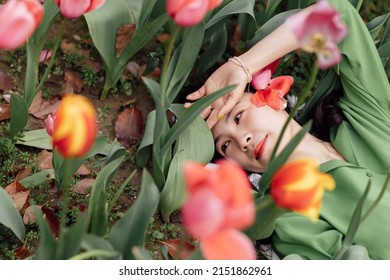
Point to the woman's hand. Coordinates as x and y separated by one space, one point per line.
228 74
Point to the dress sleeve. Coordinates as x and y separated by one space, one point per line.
363 77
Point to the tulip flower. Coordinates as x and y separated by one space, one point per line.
73 126
318 30
190 12
273 94
19 20
219 199
261 79
75 8
299 185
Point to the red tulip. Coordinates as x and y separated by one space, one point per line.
273 94
218 200
76 8
318 30
73 126
19 20
261 79
299 185
190 12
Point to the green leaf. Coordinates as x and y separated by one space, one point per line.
376 25
19 115
38 178
270 26
195 144
47 244
271 7
234 7
190 114
144 149
214 51
266 214
294 257
9 215
93 242
182 66
356 252
154 89
97 208
278 161
130 230
36 138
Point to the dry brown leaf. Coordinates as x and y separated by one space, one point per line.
83 185
45 160
40 108
74 80
23 174
129 126
52 220
15 187
83 170
123 37
5 112
22 252
36 103
6 82
179 249
29 215
21 199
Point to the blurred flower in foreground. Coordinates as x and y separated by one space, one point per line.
190 12
220 203
72 126
19 20
299 185
318 30
76 8
273 94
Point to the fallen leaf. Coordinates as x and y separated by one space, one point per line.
29 215
36 103
83 185
21 199
15 187
40 108
6 82
83 170
123 37
22 252
45 160
179 249
133 68
24 173
129 126
52 220
5 113
74 80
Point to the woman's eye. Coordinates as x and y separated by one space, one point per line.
237 118
225 146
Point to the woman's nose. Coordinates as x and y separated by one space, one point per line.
245 141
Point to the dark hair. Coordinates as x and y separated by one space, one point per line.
326 115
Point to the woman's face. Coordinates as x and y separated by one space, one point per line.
248 134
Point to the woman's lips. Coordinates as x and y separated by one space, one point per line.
259 149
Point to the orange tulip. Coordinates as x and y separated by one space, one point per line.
218 200
73 126
299 185
19 20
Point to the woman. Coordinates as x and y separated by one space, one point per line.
359 148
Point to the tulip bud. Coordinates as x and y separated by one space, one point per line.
76 8
73 125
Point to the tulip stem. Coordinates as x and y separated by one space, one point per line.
167 58
51 61
301 99
68 172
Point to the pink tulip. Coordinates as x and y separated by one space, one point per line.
19 19
318 30
49 123
262 78
190 12
75 8
45 55
219 200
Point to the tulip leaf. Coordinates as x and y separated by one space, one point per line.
270 26
38 178
191 113
185 56
9 215
195 143
214 51
144 149
97 208
36 138
91 242
130 230
278 161
266 214
375 26
19 115
356 252
233 7
295 257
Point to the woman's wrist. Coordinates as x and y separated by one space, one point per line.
236 60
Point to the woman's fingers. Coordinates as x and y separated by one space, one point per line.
197 94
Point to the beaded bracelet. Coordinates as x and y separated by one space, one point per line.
239 62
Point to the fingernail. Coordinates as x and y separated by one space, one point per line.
220 116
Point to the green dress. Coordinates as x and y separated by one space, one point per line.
363 139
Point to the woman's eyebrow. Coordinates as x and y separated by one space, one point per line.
230 113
